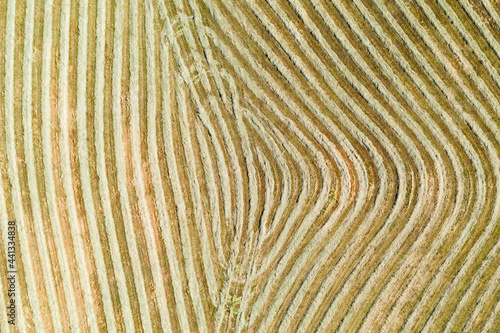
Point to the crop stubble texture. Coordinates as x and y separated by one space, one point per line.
251 166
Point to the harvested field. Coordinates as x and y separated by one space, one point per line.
250 166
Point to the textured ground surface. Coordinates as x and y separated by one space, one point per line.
251 165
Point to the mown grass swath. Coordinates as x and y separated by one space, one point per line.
252 166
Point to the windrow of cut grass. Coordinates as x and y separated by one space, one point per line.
251 166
